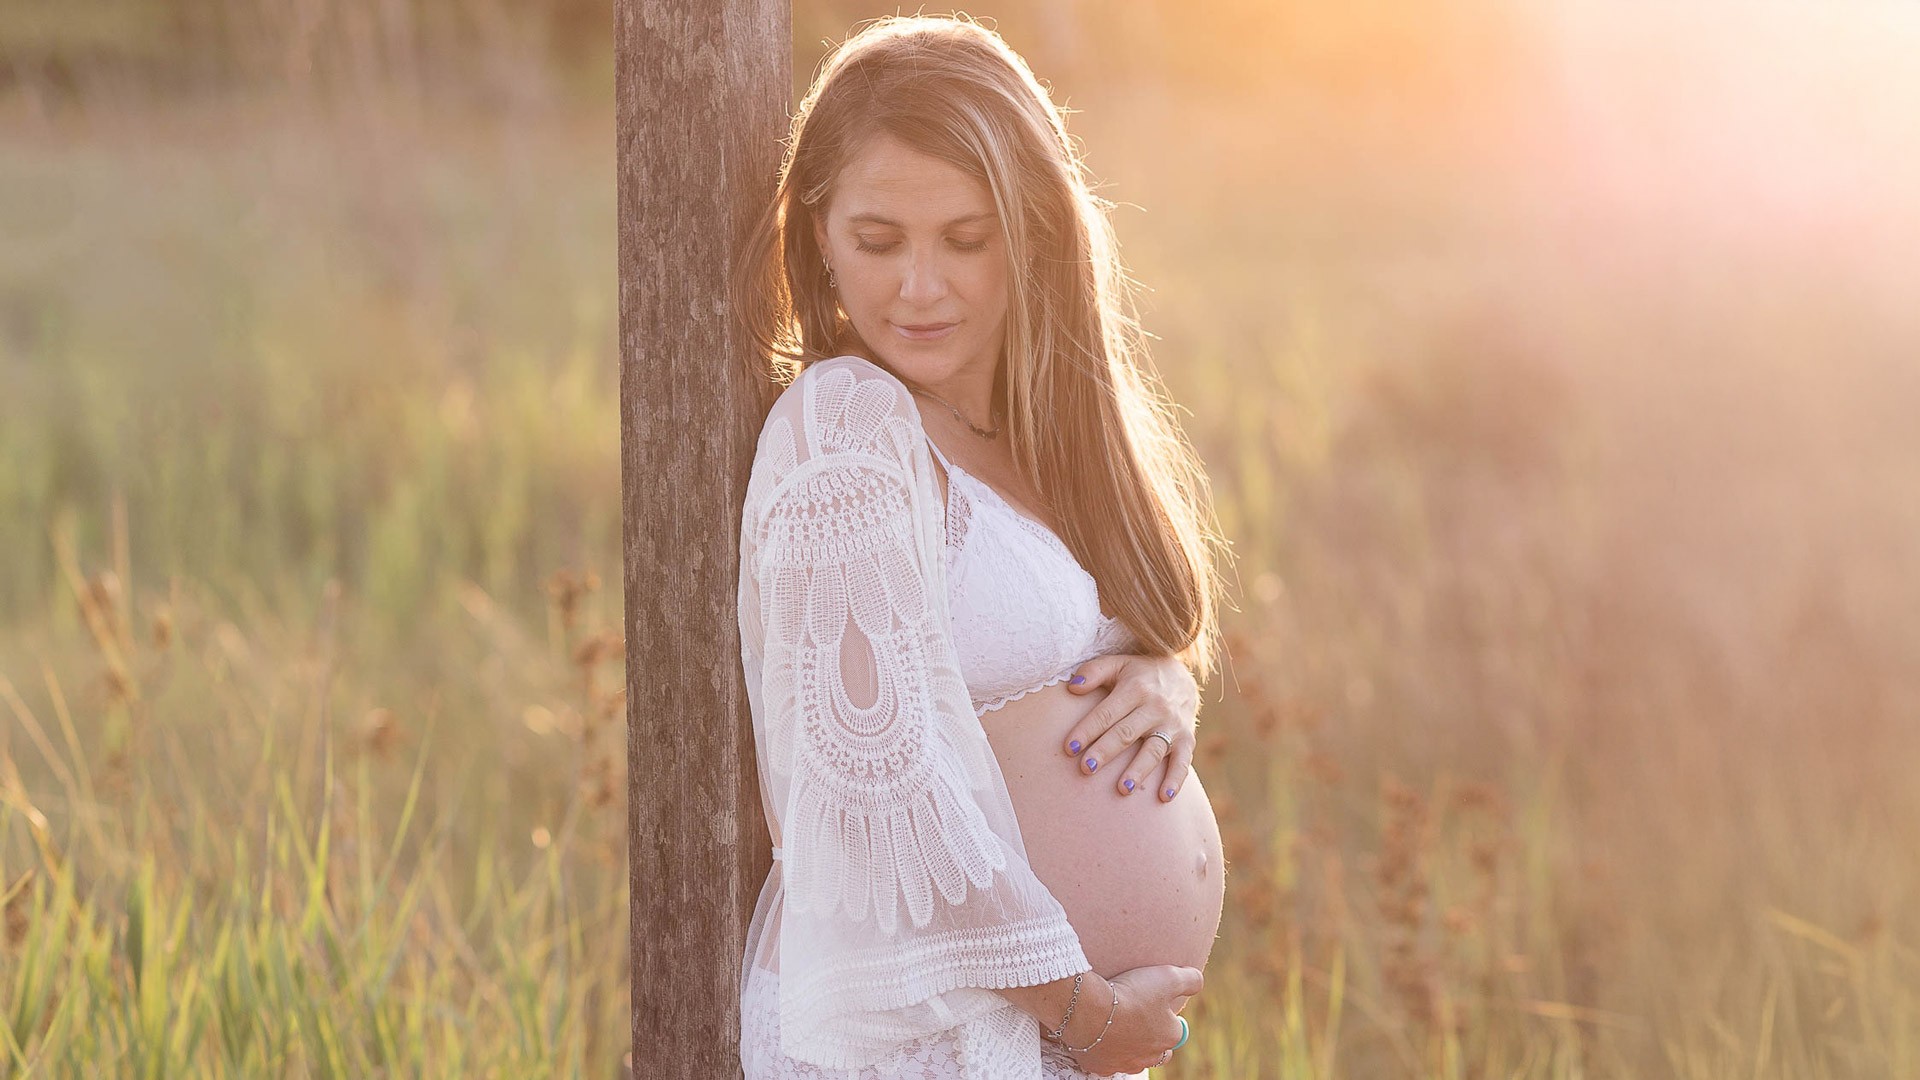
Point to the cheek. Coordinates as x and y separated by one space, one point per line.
988 288
859 291
988 279
982 281
867 299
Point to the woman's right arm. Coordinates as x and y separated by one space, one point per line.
1047 1004
1143 1003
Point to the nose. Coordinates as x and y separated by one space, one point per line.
925 281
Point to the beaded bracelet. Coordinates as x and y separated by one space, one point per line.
1054 1035
1103 1031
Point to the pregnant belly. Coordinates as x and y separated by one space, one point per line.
1142 880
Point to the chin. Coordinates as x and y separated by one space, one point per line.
925 364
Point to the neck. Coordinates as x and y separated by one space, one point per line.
976 408
969 389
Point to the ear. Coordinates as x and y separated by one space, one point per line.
819 231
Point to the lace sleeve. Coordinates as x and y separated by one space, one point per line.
908 895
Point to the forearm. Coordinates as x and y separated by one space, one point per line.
1047 1004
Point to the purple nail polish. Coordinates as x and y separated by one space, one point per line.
1169 793
1128 784
1078 679
1092 764
1073 747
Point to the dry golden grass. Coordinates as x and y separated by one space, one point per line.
1553 371
241 865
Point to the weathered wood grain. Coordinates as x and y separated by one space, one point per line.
702 90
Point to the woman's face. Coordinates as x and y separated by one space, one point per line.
915 246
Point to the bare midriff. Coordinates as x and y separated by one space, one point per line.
1141 879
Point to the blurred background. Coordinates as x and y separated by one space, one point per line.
1556 363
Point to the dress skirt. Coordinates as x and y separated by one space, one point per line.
933 1058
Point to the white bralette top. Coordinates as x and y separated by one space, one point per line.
1025 612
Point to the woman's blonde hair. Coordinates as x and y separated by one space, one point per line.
1087 424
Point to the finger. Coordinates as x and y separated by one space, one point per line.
1098 671
1179 766
1145 765
1094 724
1137 714
1121 720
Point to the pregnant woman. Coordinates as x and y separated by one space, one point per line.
966 496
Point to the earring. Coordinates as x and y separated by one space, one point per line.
831 283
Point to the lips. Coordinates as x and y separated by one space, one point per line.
925 332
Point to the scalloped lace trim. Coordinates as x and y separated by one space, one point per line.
981 708
1006 699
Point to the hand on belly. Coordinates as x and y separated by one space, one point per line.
1141 880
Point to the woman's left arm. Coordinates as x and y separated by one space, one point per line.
1150 693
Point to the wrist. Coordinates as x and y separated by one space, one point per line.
1092 1017
1051 1003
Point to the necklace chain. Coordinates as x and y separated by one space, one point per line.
985 433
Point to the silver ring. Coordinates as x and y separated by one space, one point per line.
1164 737
1164 1057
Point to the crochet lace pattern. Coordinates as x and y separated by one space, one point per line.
903 895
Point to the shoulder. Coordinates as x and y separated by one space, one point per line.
841 450
846 403
845 374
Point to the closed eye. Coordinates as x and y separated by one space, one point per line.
882 249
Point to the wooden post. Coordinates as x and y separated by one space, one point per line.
702 95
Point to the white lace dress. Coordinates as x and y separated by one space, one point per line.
901 892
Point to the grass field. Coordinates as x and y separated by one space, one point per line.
1558 401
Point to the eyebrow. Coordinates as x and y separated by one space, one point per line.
878 220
